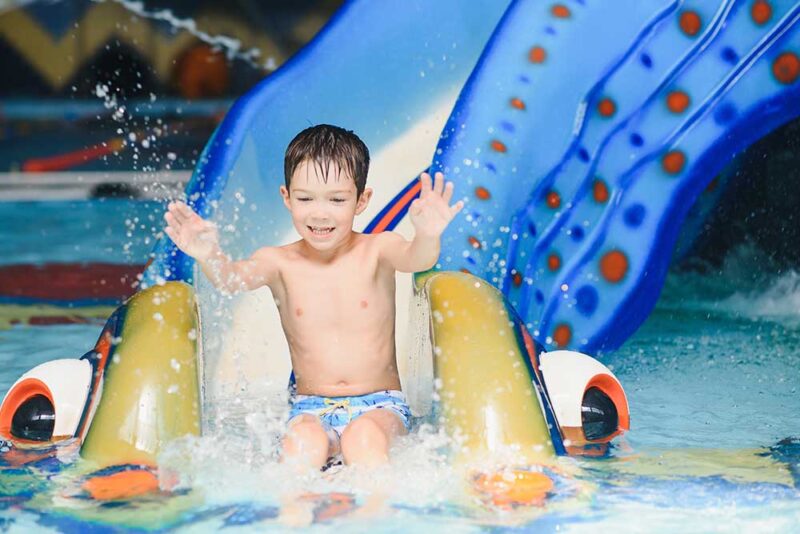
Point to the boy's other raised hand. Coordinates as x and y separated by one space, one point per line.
432 212
191 233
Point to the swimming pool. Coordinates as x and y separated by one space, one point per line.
711 379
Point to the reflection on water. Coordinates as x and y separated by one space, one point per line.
711 379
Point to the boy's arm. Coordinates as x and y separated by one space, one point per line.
230 276
409 256
199 239
430 214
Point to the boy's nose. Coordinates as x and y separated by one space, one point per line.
320 217
320 222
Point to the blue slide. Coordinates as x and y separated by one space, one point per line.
580 133
586 133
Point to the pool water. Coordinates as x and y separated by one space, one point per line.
711 378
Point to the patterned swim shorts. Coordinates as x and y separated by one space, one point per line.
336 412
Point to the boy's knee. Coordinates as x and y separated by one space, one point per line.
305 436
364 434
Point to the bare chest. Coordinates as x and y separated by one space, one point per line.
338 296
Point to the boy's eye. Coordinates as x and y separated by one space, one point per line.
303 199
339 200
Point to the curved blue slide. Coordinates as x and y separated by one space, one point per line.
583 133
587 132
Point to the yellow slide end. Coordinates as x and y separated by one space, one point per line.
488 400
150 390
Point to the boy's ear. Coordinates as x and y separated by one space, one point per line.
363 200
285 195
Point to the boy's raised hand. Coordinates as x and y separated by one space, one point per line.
191 233
432 212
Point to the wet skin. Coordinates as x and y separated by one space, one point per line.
335 292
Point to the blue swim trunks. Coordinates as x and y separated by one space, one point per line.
336 412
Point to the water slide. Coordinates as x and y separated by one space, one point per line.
580 136
390 71
579 133
586 134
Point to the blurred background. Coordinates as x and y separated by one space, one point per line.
105 107
110 97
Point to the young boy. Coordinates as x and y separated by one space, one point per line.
335 291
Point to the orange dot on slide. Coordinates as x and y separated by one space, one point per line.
121 485
677 101
537 55
786 67
508 488
673 161
554 262
482 193
562 335
614 266
498 146
516 279
761 12
560 11
517 103
690 23
600 191
606 107
474 242
553 200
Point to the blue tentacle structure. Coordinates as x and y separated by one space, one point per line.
586 133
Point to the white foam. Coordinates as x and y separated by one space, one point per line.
780 301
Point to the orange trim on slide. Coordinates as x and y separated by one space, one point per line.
20 393
530 346
102 347
121 485
398 206
507 488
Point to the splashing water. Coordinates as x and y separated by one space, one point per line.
419 476
747 285
779 302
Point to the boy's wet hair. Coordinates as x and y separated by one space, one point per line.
323 144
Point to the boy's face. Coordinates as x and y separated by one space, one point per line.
322 212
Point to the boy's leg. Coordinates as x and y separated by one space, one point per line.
307 442
366 440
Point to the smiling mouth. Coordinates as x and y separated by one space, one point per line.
320 230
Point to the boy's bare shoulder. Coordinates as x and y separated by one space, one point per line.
390 246
268 253
388 241
290 252
273 257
